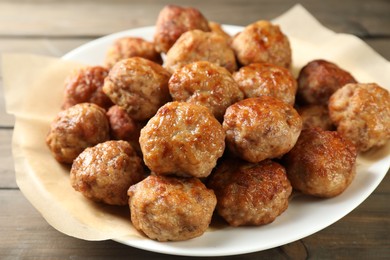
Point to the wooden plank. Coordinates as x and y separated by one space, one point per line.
29 236
41 46
367 225
382 46
363 233
74 17
6 120
7 179
53 27
56 47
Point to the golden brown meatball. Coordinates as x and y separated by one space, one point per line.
173 21
138 85
322 163
171 208
318 80
261 42
128 47
105 172
258 79
217 28
361 113
206 84
261 128
85 85
250 194
183 139
123 127
76 128
315 116
197 45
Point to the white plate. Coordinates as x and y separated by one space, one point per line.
304 216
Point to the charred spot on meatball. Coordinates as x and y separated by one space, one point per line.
123 127
85 86
171 208
318 80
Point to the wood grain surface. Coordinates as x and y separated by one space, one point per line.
53 27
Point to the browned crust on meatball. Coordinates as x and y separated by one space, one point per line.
171 208
183 139
85 85
197 45
261 42
361 113
261 128
258 79
105 172
128 47
322 163
123 127
173 21
138 85
76 128
315 116
318 80
206 84
217 28
250 194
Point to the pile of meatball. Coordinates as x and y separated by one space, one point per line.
220 126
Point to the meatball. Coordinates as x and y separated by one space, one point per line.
197 45
217 28
76 128
258 79
322 163
315 116
128 47
138 85
261 128
85 85
173 21
171 208
250 194
361 113
261 42
105 172
318 80
183 139
123 127
206 84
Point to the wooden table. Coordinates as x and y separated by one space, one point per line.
53 27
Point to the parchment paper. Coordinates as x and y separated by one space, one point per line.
34 92
34 89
